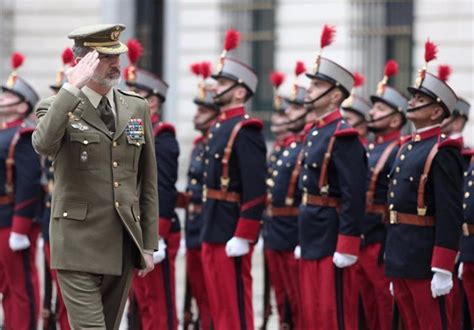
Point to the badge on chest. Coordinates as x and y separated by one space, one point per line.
135 130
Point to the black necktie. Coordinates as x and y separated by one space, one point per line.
106 114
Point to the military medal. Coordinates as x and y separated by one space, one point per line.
80 126
135 129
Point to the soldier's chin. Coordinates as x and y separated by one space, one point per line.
107 82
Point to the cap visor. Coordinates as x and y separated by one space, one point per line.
120 48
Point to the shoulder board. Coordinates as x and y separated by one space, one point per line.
450 142
346 131
468 152
163 127
252 122
198 139
130 93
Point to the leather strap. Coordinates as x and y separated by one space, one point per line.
226 157
316 200
182 200
421 207
6 199
294 179
380 209
375 174
227 196
467 229
10 165
285 211
411 219
323 179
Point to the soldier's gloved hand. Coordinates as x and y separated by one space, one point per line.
82 73
160 255
18 242
390 288
460 269
441 283
342 260
237 247
297 252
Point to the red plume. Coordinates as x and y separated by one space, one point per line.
232 39
206 69
359 79
135 50
299 68
431 50
327 36
391 68
17 60
68 56
277 78
195 68
444 71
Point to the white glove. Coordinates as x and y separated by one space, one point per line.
461 266
390 288
182 247
297 252
441 283
237 247
160 255
342 260
18 242
259 245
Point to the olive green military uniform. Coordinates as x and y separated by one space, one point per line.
104 207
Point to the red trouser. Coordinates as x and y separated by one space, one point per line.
468 285
417 307
374 289
60 308
229 288
20 283
284 277
329 296
194 270
155 293
454 303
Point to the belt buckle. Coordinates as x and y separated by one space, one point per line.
191 208
269 211
324 190
289 201
465 229
304 200
393 218
421 211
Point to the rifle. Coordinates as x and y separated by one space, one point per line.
267 307
187 310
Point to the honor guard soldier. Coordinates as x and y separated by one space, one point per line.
281 221
454 125
355 110
233 194
104 207
206 112
155 294
386 118
425 205
47 179
20 194
333 182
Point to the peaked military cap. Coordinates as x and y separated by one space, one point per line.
102 37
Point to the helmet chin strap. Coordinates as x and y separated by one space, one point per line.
382 118
226 90
11 104
420 107
321 96
357 124
211 118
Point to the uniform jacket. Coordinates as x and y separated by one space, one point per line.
104 183
411 251
467 242
324 230
247 169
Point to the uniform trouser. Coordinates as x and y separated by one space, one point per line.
19 283
229 287
454 303
468 286
97 301
284 277
155 293
329 295
60 307
418 309
195 274
374 289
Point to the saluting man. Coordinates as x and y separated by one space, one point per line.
333 183
104 209
234 194
387 117
425 203
20 197
155 294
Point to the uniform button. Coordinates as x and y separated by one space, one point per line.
286 153
216 156
86 142
371 146
64 214
467 194
206 161
51 169
314 133
279 162
397 169
218 125
394 182
273 158
305 166
314 165
193 181
362 236
305 177
390 207
411 179
392 194
210 135
275 173
465 173
464 206
117 204
116 184
115 164
367 154
309 144
305 189
207 148
306 154
469 183
114 144
409 147
293 145
205 174
48 204
402 157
